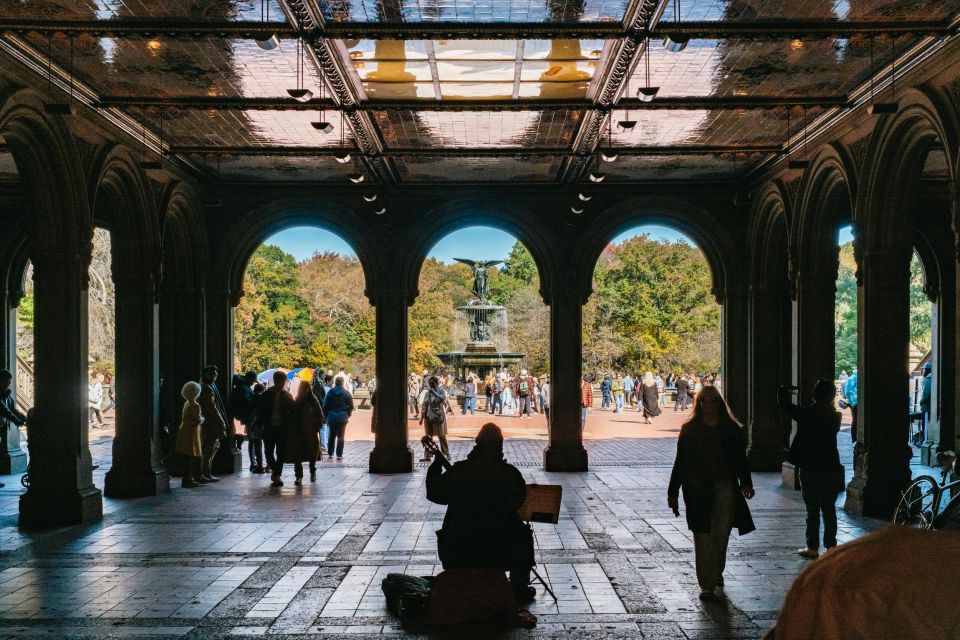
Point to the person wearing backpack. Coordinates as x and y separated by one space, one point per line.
524 391
496 396
434 416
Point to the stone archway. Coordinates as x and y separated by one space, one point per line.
884 215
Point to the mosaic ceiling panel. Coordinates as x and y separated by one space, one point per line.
469 69
480 169
473 10
237 128
702 127
273 169
208 67
697 10
792 67
472 129
110 9
679 167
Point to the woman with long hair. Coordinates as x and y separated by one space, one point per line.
711 469
649 398
303 443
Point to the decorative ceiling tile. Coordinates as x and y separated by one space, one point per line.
472 129
697 10
473 10
206 67
236 128
679 167
273 169
479 169
701 127
110 9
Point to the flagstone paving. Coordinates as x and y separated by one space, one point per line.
241 559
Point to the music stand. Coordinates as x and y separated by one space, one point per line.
542 504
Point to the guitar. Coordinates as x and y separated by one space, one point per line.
431 447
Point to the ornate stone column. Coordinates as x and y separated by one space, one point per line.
61 490
136 470
769 335
734 322
390 451
814 332
881 456
219 318
12 458
565 452
183 336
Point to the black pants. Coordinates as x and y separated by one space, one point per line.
819 492
497 402
255 450
298 468
274 452
681 403
853 422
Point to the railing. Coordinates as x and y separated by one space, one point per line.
24 378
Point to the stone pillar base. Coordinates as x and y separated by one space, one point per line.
765 459
135 483
62 509
789 478
872 499
12 462
227 460
564 459
391 461
928 453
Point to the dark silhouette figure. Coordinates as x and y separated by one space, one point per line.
814 452
481 528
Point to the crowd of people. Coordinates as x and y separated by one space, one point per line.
505 393
623 391
282 422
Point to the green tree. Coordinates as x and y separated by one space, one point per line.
845 312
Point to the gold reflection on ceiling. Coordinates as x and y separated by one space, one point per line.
474 69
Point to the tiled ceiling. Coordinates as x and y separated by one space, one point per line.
517 99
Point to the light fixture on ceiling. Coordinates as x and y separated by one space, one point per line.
381 211
574 209
342 155
647 93
609 154
300 94
584 197
272 41
884 108
57 108
676 42
322 125
357 178
794 163
370 197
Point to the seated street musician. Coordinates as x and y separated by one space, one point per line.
481 528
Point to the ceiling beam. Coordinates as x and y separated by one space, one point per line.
475 152
711 30
709 103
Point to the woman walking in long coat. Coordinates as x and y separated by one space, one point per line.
711 470
434 416
649 398
303 440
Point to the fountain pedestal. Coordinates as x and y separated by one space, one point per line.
481 328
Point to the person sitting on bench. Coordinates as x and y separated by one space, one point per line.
481 528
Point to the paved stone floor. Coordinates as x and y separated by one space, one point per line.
240 559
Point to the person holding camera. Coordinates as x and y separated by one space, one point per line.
814 452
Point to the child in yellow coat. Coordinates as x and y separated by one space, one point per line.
188 437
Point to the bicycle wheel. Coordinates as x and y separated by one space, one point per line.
917 507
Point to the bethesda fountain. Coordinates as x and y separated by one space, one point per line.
480 331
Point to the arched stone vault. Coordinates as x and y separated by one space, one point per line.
478 210
700 225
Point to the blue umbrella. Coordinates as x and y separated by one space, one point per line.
266 377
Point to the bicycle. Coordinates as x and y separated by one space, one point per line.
922 505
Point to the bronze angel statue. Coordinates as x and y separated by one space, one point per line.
479 275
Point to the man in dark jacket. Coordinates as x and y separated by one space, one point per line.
338 407
276 409
241 404
683 394
814 452
481 527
